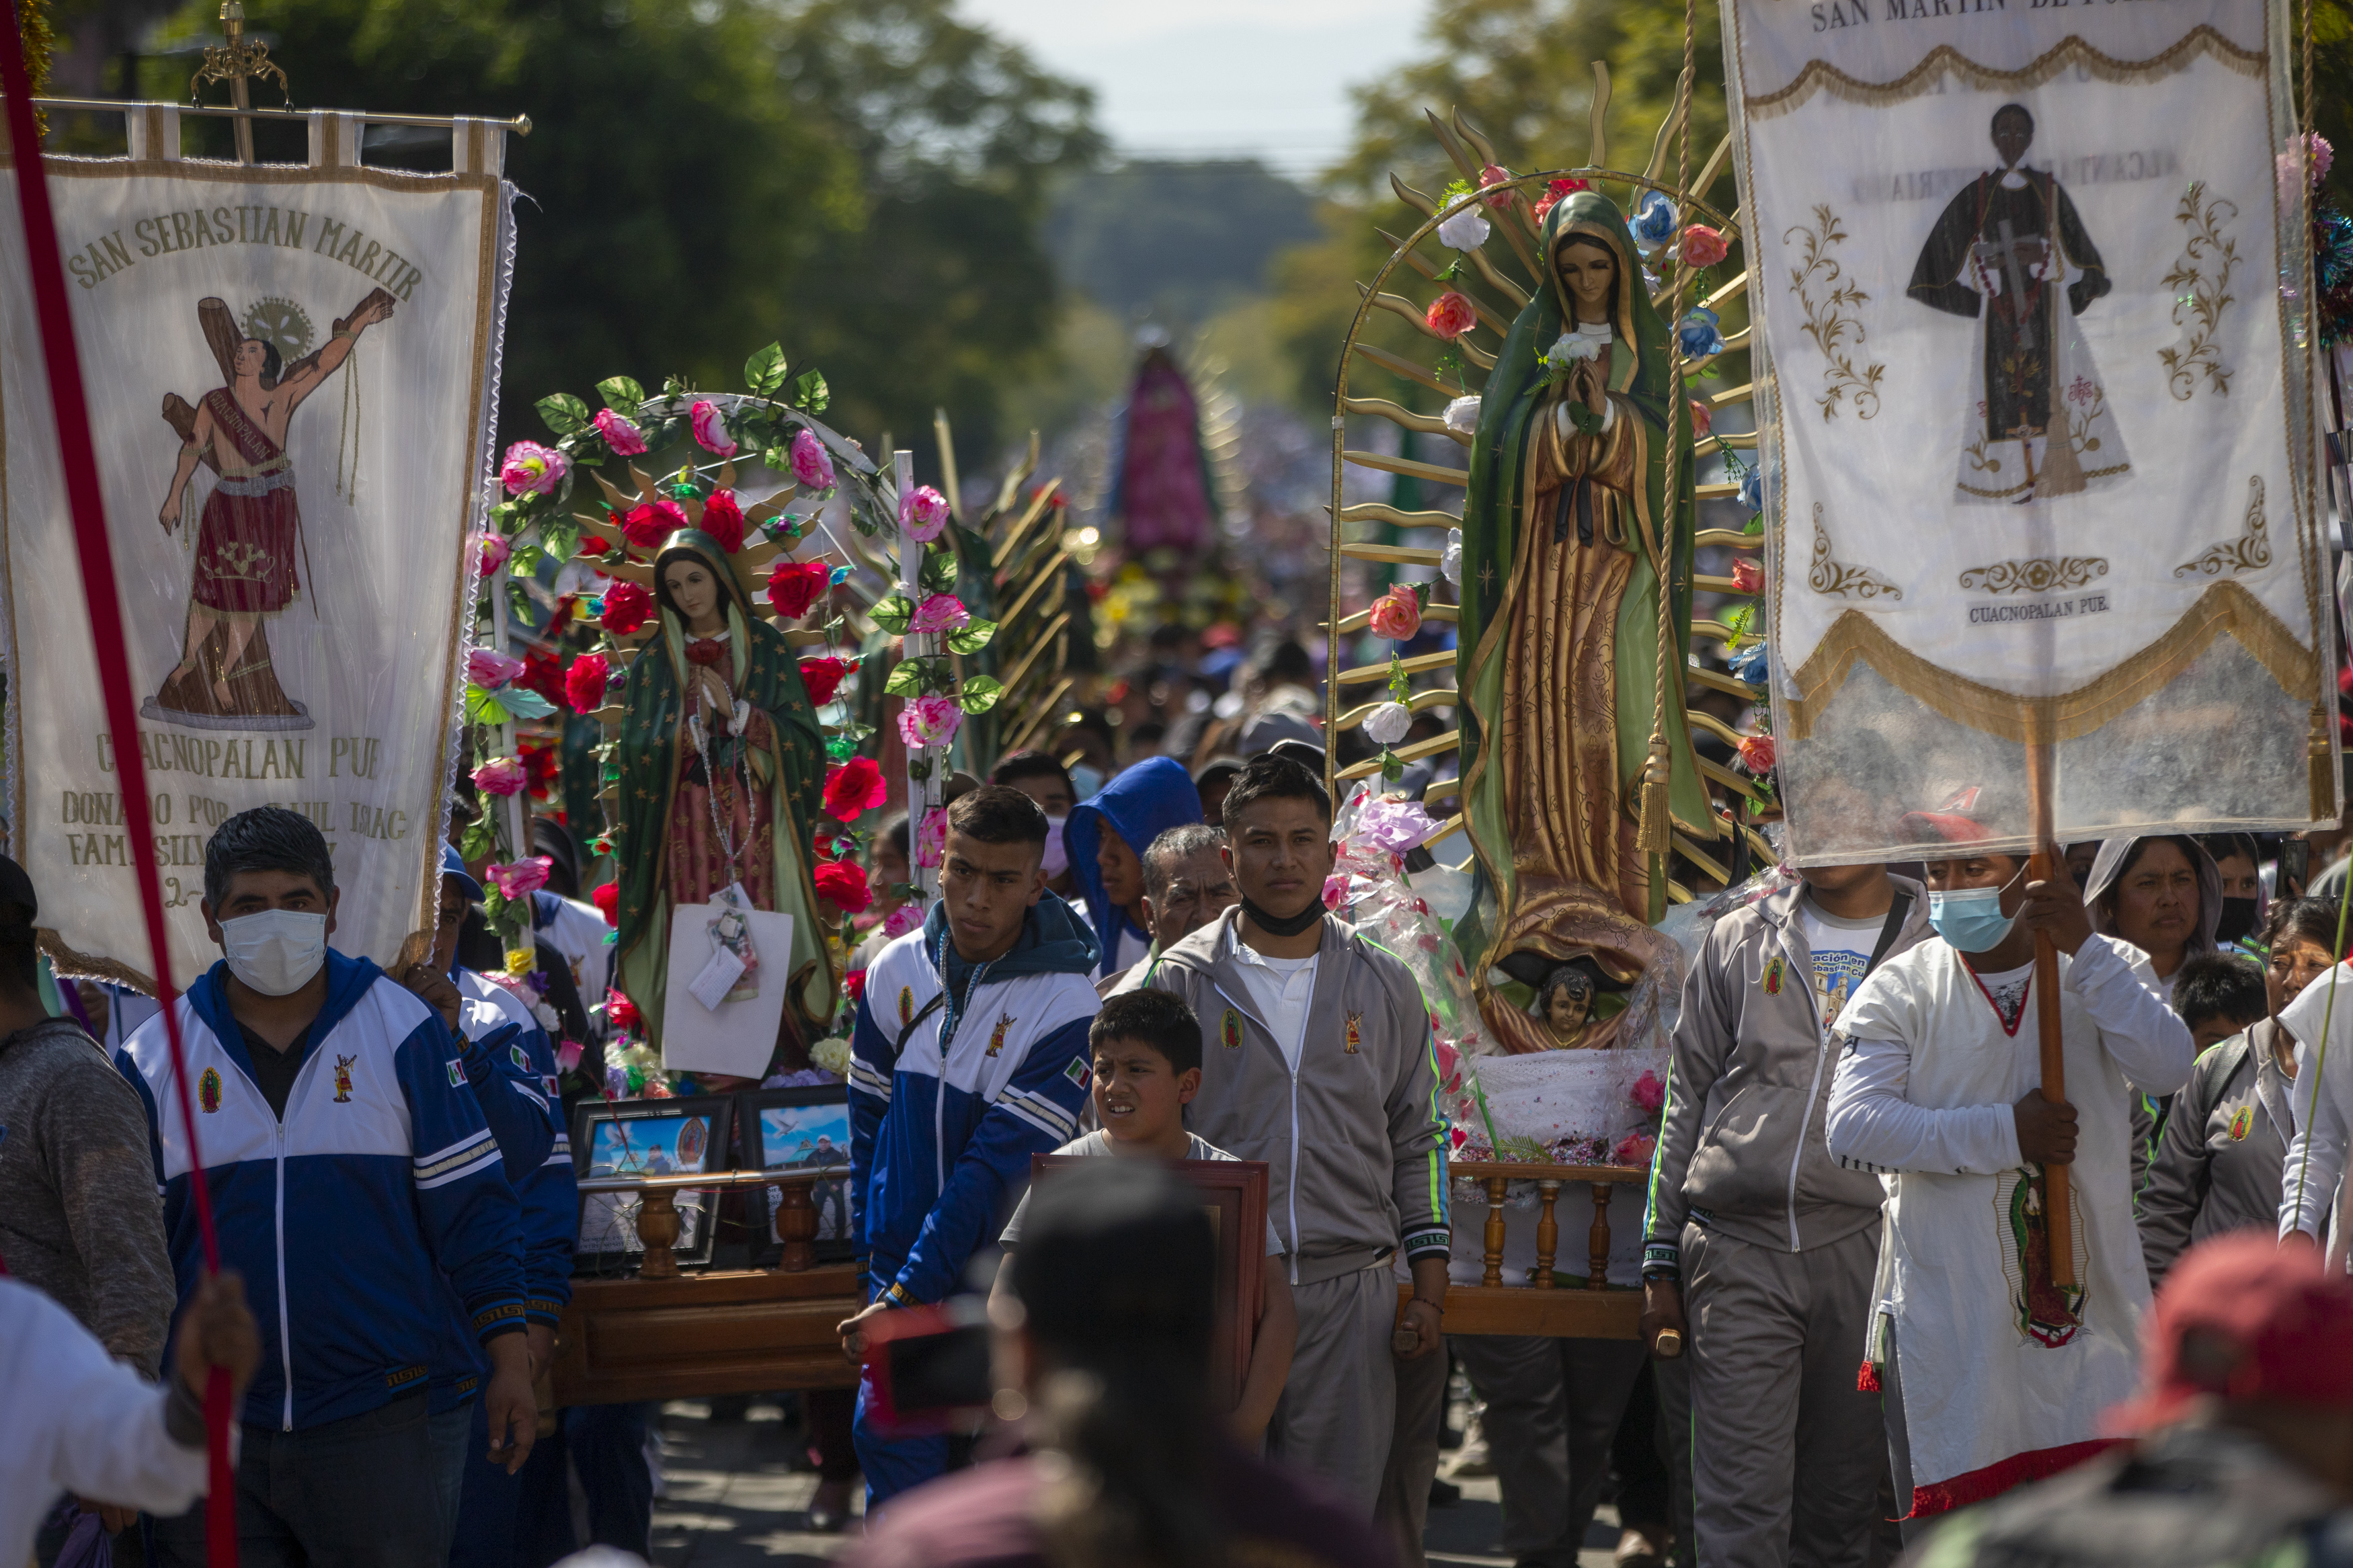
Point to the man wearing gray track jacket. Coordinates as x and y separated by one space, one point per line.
1759 1249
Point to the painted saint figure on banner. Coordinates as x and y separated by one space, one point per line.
249 558
2008 248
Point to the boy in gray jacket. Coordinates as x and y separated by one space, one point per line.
1317 1060
1759 1249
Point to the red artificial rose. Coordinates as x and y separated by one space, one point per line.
584 683
591 545
1757 754
621 1011
1494 175
842 884
854 788
1557 191
606 897
853 985
795 586
647 526
543 673
823 676
1748 576
541 765
1451 315
1704 246
723 519
627 607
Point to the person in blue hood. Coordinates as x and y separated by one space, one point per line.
1106 838
968 1056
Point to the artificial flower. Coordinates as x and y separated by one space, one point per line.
1335 890
1649 1093
591 545
1704 246
926 721
489 670
795 586
500 776
1451 315
1757 754
1494 175
711 429
584 682
923 513
811 467
823 676
1752 665
1466 230
532 469
620 434
1569 348
1397 614
1702 419
649 525
1393 826
940 613
854 788
842 884
627 607
723 519
606 897
520 880
932 837
1747 576
1654 223
1450 560
620 1011
1752 490
1462 414
1557 191
495 551
833 1054
1699 334
1634 1149
1387 724
903 920
853 986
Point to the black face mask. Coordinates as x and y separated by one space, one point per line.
2238 920
1292 926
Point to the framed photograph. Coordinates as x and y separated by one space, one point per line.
803 1128
688 1135
1233 1192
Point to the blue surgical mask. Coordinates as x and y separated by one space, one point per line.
1971 918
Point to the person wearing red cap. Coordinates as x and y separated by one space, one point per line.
2239 1450
1994 1372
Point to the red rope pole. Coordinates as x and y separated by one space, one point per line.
87 508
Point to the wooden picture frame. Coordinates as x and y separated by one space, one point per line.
683 1134
1234 1193
816 1119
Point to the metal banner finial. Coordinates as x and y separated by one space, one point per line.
237 62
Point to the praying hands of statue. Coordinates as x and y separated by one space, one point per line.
1586 383
714 688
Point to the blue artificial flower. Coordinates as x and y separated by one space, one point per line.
1654 223
1699 334
1752 490
840 575
1752 665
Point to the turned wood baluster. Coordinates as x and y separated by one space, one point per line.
1494 1236
1596 1243
658 1228
1547 1234
796 1227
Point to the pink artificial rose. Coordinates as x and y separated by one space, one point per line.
1757 754
520 880
531 468
620 434
932 837
1335 890
1451 315
584 682
811 466
1491 175
940 613
1649 1093
710 429
500 776
1747 576
928 721
495 551
567 1055
1703 420
489 670
1704 246
1396 616
923 513
903 920
1633 1150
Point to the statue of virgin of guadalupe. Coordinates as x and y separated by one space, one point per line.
722 773
1569 499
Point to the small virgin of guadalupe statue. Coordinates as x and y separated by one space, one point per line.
1571 514
723 774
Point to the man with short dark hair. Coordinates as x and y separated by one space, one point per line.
349 1169
1320 1064
969 1056
1187 884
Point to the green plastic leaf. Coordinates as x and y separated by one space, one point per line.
560 537
764 372
919 770
621 394
906 680
525 703
565 413
480 841
894 614
525 561
979 694
939 570
810 393
482 708
972 637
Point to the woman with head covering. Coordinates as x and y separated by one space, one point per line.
2163 894
722 772
1571 512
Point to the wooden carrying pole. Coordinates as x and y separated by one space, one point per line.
2058 1216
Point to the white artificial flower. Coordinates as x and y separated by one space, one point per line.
1462 414
1387 724
1450 564
1466 230
1571 347
831 1056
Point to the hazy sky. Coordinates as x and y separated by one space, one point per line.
1216 78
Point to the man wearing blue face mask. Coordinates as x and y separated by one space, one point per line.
1996 1371
349 1170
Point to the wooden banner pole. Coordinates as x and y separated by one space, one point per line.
2058 1217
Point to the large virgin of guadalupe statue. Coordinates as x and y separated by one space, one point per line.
1570 505
722 771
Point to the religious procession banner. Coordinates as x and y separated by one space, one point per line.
2032 390
291 371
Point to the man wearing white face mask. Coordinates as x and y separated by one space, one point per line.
349 1169
1994 1372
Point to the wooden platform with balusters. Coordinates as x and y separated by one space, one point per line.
1590 1310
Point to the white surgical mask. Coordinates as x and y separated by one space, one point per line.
1058 857
276 951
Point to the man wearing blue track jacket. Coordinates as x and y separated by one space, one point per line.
349 1169
969 1057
